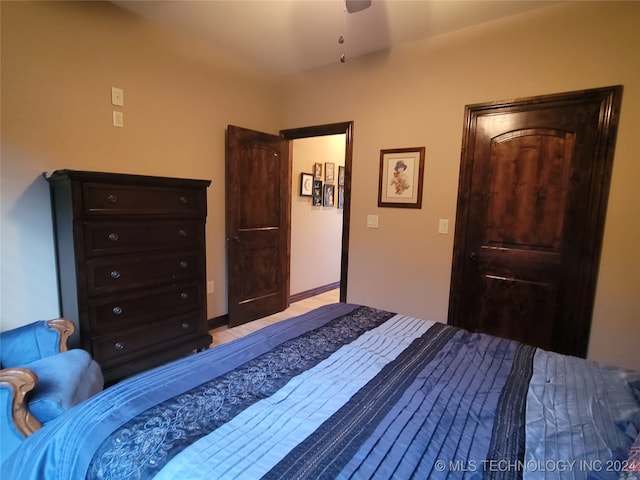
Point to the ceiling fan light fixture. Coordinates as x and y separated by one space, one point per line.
357 5
351 6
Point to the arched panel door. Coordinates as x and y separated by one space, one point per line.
533 191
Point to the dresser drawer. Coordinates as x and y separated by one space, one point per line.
113 199
119 274
116 347
126 311
104 238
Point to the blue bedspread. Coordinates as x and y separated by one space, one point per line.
347 391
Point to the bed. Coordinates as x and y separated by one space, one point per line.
350 391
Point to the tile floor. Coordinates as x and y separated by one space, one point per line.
225 334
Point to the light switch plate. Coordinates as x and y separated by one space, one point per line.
443 226
372 221
117 96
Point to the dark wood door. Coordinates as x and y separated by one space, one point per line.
533 190
258 183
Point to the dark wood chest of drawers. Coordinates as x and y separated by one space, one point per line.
131 266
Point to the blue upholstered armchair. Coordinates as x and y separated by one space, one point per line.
40 378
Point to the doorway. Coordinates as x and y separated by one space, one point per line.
316 215
325 130
258 195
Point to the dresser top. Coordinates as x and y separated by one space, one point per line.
120 178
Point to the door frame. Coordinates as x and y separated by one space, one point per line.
320 131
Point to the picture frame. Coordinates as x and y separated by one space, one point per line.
401 177
306 184
328 192
340 175
316 198
340 196
317 171
329 172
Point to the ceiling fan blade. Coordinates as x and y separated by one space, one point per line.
357 5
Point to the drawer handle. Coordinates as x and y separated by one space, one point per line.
112 198
119 346
183 264
117 310
182 233
113 237
184 295
184 199
185 326
115 274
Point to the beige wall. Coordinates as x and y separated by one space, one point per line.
59 62
316 232
415 95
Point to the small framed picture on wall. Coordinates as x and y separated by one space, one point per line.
316 199
317 171
327 197
401 177
306 184
329 169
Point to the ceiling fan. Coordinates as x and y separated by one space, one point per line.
352 6
357 5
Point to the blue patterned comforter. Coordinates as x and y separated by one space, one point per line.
348 391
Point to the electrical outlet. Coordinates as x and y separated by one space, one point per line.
211 286
118 119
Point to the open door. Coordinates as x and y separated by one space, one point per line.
258 179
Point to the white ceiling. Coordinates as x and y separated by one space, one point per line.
287 36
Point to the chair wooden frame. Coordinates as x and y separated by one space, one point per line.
65 328
22 380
